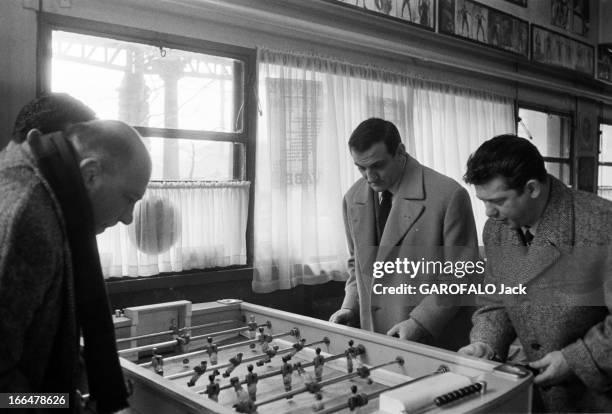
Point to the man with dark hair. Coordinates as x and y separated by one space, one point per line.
58 191
553 242
400 210
49 113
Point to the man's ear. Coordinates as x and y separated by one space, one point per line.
534 187
91 170
401 149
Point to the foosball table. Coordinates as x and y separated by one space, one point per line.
230 356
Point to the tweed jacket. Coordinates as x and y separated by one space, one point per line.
567 272
430 213
38 334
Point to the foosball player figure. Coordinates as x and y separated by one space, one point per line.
234 362
211 350
251 382
182 341
318 404
198 371
297 347
213 388
252 327
264 340
287 370
364 372
351 352
244 403
174 328
270 353
157 361
309 382
318 363
357 400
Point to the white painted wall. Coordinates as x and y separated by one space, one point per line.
17 61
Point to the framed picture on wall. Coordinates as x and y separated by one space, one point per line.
419 12
522 3
482 24
604 63
559 50
581 20
560 13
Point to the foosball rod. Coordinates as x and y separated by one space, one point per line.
397 360
293 332
149 347
441 370
267 324
190 328
277 372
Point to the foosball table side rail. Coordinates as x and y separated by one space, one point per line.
151 393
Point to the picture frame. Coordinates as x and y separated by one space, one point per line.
485 25
604 63
559 50
522 3
561 12
581 17
421 13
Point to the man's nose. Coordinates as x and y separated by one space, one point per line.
371 175
128 216
490 210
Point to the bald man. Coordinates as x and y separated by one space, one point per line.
58 191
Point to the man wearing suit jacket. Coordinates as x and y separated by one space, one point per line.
430 217
555 243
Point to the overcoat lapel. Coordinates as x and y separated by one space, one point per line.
554 238
405 210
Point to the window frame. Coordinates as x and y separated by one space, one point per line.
601 121
558 160
243 157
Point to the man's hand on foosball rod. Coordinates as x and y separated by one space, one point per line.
411 330
343 317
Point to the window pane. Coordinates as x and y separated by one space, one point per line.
604 187
143 86
606 143
559 170
187 159
550 132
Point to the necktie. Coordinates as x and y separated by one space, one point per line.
383 211
528 237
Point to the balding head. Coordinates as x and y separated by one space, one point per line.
116 144
115 166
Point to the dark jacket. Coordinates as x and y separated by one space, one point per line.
38 335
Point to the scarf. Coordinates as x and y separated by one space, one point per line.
57 162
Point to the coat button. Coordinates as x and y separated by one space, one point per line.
536 346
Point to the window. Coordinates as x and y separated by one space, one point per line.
604 180
188 101
166 93
550 133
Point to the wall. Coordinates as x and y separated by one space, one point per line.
605 30
18 63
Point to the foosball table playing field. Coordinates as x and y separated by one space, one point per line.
230 356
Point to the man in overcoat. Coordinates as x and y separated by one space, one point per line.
553 242
429 217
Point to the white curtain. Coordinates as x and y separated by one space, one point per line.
179 226
309 106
